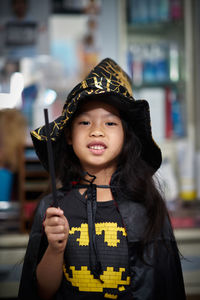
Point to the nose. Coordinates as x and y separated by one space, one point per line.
96 131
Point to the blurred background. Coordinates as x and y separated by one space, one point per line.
46 48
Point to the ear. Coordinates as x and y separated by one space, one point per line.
68 136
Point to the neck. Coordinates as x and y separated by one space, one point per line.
103 177
103 194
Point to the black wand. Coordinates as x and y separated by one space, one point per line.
50 159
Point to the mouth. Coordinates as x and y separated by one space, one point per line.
97 147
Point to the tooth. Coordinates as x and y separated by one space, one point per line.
97 147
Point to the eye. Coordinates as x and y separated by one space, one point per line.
84 122
111 123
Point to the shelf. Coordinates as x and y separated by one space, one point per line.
34 182
9 210
154 84
155 28
187 234
32 159
186 216
36 186
36 174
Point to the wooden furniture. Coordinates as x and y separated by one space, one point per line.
34 184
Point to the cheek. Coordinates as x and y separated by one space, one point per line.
68 135
122 143
118 140
121 134
122 138
77 143
73 136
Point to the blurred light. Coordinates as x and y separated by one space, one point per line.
173 63
50 96
16 83
13 99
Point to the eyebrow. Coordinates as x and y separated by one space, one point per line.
104 115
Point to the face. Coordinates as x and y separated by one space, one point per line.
97 137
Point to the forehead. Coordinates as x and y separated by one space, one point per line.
97 106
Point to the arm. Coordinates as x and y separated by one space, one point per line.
49 270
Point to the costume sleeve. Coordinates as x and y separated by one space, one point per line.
36 247
160 275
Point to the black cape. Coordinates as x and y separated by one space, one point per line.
160 278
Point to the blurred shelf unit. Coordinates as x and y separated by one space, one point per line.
156 60
9 216
35 184
186 216
160 38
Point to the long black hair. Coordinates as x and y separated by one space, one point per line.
135 175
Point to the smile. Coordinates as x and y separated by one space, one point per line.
97 148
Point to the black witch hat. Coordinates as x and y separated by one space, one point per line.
107 78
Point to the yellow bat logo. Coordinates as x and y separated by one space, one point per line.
86 282
110 230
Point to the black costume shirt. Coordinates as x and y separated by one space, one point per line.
111 246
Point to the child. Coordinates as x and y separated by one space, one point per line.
110 237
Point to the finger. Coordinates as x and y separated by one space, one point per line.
57 220
52 238
65 220
54 221
53 211
55 229
58 245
